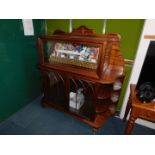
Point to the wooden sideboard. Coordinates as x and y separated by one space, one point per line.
84 69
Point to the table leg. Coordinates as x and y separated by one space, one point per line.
131 122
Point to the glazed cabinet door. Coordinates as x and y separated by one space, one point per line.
54 89
81 98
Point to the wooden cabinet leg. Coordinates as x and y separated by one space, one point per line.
127 110
130 123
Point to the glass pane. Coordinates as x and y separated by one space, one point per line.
55 90
73 54
81 98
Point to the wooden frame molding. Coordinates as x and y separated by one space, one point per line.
149 36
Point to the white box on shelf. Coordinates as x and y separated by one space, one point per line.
76 100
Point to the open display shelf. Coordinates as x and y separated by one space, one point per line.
82 73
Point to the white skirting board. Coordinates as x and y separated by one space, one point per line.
145 123
142 122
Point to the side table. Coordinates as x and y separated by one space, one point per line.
138 110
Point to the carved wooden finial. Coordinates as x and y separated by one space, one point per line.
82 30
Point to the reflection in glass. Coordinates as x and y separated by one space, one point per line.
74 54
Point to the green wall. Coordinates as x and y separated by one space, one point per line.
52 25
129 29
19 76
95 24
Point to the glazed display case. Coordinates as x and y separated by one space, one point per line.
82 73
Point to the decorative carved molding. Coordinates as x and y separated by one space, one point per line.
82 30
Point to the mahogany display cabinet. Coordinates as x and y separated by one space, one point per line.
82 73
